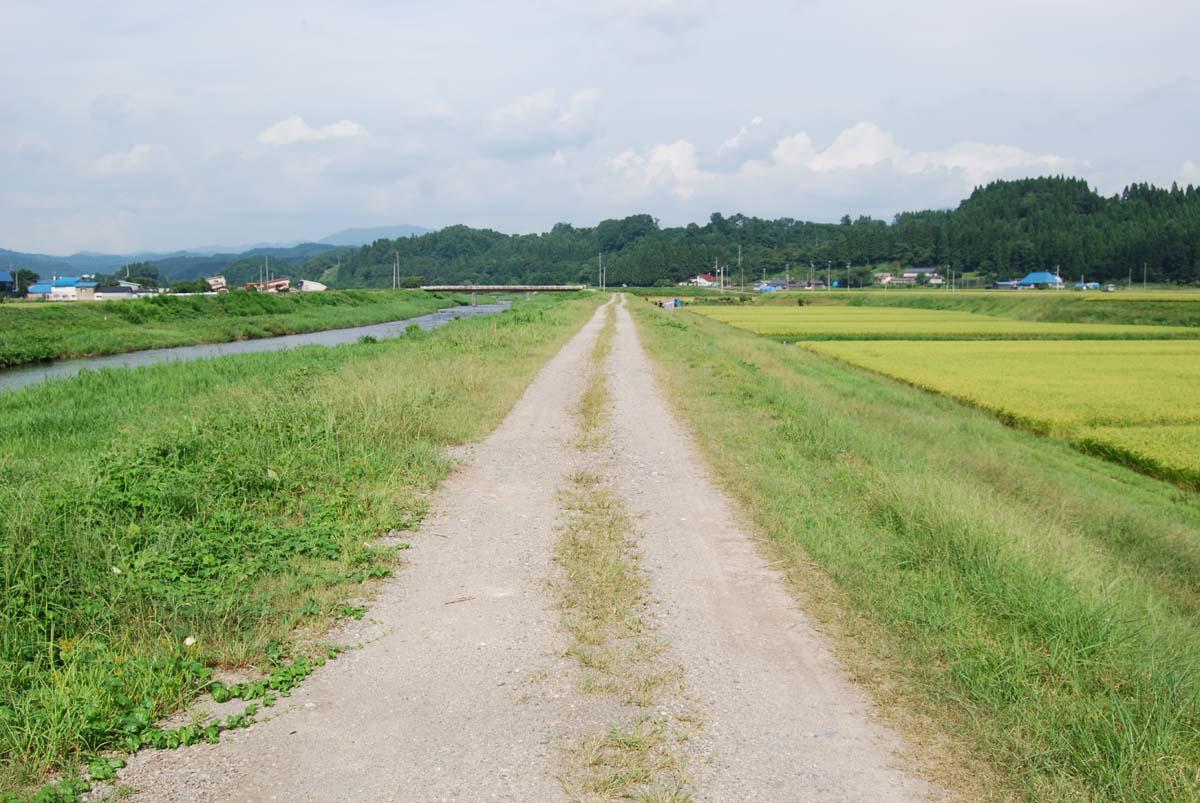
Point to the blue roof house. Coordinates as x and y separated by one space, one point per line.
8 284
1041 279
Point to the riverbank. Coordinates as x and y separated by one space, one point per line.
190 518
37 332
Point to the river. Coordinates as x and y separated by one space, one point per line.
13 378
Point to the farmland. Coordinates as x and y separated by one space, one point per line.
1027 612
1098 392
830 322
162 521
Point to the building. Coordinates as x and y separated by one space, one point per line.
270 286
72 288
702 280
1041 279
115 292
38 292
8 283
309 286
216 284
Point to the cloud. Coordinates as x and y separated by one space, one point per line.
735 142
539 123
674 167
141 158
1190 170
863 167
293 129
867 145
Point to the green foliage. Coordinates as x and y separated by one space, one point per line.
50 331
1039 604
162 521
1005 229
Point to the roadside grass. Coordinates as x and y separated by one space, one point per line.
1027 613
602 595
33 332
166 522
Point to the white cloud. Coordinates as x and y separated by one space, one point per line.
539 123
293 129
735 142
863 160
140 158
867 145
674 167
1190 170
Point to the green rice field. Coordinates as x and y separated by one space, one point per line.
830 322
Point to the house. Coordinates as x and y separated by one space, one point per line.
309 286
72 288
8 283
702 280
38 292
115 292
216 284
1041 279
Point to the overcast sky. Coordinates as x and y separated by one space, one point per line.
162 125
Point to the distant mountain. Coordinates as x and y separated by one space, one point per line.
366 236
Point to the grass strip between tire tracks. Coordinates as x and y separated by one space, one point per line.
603 599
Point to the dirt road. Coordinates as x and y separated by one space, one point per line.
464 691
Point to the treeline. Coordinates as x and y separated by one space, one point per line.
1003 230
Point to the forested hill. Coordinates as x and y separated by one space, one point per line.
1003 230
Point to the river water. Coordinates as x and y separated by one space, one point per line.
12 378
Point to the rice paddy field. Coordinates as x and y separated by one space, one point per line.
1138 398
1119 390
829 322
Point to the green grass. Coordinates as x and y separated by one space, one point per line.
811 322
231 501
44 331
1036 607
1154 308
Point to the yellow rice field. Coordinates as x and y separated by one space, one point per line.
1138 397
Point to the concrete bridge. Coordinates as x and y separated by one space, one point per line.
475 289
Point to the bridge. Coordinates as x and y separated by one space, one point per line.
474 289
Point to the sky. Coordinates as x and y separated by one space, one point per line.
160 125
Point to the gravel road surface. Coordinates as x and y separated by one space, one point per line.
463 692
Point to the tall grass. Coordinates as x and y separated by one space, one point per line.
163 521
45 331
1036 607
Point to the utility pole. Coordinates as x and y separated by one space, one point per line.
395 270
742 272
847 274
828 274
1143 277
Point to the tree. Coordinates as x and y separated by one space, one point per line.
24 279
